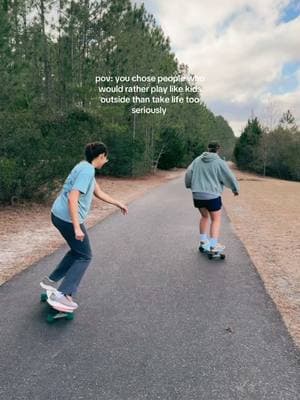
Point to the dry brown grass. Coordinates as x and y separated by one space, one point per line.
266 217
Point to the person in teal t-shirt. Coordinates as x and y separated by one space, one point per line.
68 214
206 176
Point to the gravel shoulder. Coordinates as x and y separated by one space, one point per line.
266 217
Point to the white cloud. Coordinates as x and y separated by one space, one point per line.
238 45
237 126
240 65
283 102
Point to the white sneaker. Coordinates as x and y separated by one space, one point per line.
219 248
48 284
58 299
204 246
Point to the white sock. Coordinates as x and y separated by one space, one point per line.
203 237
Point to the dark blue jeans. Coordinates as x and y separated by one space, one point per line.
75 262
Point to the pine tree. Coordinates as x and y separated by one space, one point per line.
246 150
287 121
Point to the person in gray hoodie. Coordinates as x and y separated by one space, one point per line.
206 176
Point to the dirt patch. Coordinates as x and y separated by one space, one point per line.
266 217
27 233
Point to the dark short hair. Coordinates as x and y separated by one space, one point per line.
213 146
92 150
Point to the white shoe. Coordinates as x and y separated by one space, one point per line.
219 248
48 284
204 246
58 299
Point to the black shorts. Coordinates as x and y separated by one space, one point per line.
210 205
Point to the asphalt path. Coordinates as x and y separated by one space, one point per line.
157 319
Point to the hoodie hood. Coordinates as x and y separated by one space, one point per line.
209 157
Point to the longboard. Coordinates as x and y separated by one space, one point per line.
55 312
212 254
215 254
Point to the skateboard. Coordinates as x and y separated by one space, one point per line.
55 312
212 254
215 254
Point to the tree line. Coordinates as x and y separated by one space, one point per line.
272 151
51 51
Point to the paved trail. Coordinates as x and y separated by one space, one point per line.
157 320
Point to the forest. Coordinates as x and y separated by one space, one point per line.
270 148
51 52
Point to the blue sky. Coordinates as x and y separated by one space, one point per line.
288 81
248 51
290 12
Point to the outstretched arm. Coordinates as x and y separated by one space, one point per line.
228 178
108 199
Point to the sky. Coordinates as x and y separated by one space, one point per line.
248 51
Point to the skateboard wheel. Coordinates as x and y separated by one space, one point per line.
222 256
50 319
201 250
70 317
210 256
44 297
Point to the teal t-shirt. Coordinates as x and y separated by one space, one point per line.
82 178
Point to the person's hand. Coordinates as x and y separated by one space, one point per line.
236 193
123 208
79 235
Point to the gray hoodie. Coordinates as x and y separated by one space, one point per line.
209 173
